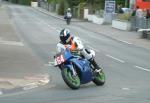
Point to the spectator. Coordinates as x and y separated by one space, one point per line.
147 14
133 12
139 18
120 9
139 12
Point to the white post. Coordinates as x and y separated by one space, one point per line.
132 3
34 4
86 13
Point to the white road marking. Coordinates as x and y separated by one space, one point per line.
116 58
11 43
52 27
43 82
37 77
85 41
125 42
148 70
93 48
30 86
50 64
125 88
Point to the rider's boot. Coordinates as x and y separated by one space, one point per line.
95 65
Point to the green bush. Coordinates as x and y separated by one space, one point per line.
81 10
62 7
13 1
125 16
34 0
24 2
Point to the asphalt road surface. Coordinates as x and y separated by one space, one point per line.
127 67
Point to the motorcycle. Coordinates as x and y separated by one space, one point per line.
68 17
77 70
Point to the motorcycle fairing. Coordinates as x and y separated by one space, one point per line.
84 68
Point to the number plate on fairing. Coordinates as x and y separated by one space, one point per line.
59 59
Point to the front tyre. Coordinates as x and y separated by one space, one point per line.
72 81
99 78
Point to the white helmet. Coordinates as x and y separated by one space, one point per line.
68 9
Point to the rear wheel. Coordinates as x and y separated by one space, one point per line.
71 80
99 78
68 21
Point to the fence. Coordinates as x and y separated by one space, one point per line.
139 23
136 22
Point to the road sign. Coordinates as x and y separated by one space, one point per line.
109 6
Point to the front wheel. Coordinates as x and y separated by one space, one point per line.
72 81
99 78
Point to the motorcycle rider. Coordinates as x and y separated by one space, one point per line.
68 14
74 43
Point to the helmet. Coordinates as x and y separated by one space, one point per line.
69 9
65 36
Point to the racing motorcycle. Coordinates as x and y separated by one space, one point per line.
68 17
77 70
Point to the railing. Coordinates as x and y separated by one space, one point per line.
140 23
136 22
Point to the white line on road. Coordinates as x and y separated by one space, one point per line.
50 64
148 70
125 42
30 86
85 41
116 58
11 43
93 48
125 88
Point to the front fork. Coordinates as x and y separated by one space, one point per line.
74 73
73 70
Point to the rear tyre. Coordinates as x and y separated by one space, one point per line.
72 81
68 21
99 78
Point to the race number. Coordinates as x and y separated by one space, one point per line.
59 59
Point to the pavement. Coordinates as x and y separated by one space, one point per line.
128 37
55 15
20 68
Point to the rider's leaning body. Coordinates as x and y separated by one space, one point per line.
74 43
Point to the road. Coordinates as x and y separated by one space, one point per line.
126 66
